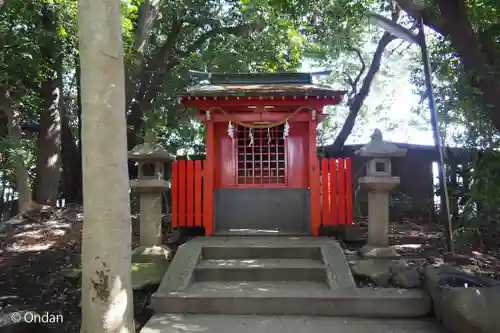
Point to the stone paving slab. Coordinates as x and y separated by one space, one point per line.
285 324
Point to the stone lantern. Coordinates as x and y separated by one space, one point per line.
150 185
379 182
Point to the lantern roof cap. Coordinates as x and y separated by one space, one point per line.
150 152
377 147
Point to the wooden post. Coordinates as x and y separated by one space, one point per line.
175 196
334 206
314 175
348 190
198 209
325 193
341 195
208 173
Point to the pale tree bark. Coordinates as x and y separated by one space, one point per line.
106 245
23 186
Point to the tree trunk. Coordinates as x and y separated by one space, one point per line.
106 245
48 161
48 157
22 176
71 162
71 154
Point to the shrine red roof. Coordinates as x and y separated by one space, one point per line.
267 89
260 84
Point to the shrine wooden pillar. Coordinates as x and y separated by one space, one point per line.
208 174
314 183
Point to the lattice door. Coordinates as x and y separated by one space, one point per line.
262 160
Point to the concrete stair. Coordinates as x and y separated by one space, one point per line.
306 276
260 270
261 252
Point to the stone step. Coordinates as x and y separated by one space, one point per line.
170 323
258 232
291 298
260 270
260 252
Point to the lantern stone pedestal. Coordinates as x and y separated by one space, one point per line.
379 182
150 184
378 207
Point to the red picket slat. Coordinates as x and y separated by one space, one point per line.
333 191
348 190
341 191
175 198
190 193
189 203
182 193
325 194
197 194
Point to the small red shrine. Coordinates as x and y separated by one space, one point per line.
261 170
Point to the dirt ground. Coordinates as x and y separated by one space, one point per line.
37 252
425 243
40 248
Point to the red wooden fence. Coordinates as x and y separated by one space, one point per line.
336 191
192 208
187 195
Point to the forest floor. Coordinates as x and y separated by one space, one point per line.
424 243
37 253
40 248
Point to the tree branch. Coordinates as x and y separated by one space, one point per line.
416 10
354 83
360 97
159 78
391 52
145 78
159 59
238 30
148 12
164 61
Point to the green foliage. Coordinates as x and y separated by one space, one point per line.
12 153
400 204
